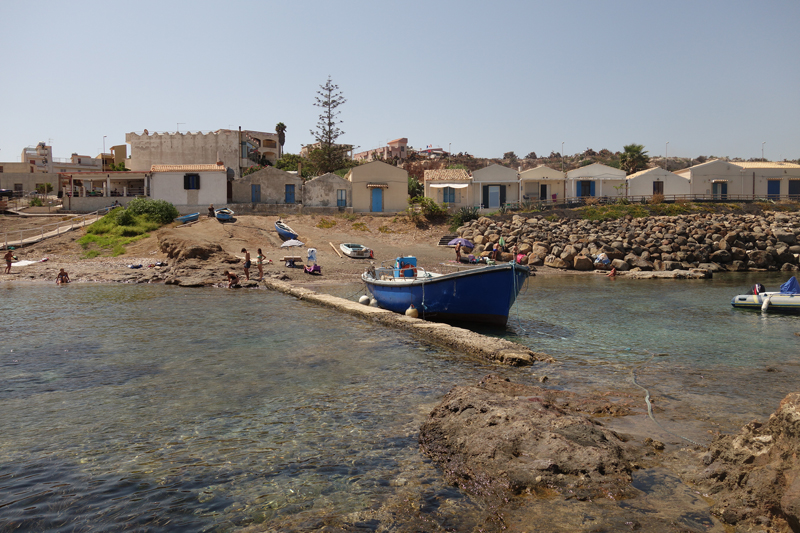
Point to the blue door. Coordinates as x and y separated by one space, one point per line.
720 190
377 200
773 189
289 196
255 193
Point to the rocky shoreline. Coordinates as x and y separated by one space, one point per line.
711 242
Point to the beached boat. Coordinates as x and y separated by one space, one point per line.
223 214
285 231
482 294
787 299
188 218
356 251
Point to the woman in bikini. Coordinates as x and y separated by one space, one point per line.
260 264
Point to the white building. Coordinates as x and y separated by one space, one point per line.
656 180
189 185
595 180
542 184
498 185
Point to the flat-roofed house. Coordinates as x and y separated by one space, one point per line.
189 185
451 186
595 180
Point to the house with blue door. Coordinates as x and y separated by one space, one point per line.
328 190
378 188
596 180
268 186
723 180
496 185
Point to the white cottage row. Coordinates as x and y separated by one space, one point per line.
496 185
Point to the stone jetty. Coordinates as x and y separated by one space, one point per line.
708 242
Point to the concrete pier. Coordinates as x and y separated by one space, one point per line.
451 337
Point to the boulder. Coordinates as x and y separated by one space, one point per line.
555 262
581 262
620 265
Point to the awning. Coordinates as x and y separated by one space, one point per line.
377 185
719 181
451 185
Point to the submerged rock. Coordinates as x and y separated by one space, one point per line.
497 439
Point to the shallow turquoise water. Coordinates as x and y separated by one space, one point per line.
167 409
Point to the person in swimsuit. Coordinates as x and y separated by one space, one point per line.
458 252
260 264
62 277
8 257
233 279
246 264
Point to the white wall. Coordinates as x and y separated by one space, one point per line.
169 186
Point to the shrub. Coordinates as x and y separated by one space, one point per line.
428 206
360 226
324 223
462 216
657 198
36 202
385 229
122 216
158 210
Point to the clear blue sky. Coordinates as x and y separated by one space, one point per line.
711 77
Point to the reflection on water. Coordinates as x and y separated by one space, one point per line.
168 409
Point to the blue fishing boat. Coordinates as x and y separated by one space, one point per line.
481 294
285 231
223 214
188 218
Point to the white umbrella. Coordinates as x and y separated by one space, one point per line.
290 243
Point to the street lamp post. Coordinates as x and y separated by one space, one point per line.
449 152
762 150
666 155
562 156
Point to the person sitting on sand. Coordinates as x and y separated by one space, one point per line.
62 277
233 279
211 211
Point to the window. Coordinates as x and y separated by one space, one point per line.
1 169
449 195
191 181
341 197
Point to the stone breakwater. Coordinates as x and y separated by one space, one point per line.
712 242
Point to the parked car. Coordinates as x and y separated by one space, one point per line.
8 193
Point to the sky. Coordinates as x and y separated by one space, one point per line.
715 77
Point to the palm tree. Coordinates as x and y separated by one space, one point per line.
280 129
634 158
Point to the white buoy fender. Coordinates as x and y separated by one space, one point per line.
364 300
765 305
412 311
374 303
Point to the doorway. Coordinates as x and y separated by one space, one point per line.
377 200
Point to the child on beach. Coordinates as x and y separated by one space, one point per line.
246 264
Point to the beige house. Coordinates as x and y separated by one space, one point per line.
451 186
268 186
378 188
595 180
397 148
656 180
328 190
189 185
542 184
497 185
720 179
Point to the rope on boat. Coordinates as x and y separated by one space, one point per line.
650 406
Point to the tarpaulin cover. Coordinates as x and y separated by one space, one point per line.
791 286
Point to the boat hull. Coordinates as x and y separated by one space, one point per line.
789 303
483 294
188 218
356 251
223 214
285 231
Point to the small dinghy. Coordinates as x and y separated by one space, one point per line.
786 300
223 214
185 219
356 251
285 231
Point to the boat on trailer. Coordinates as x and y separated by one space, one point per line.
285 231
356 251
785 300
482 294
185 219
223 214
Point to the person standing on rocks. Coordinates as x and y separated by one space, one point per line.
260 264
8 257
246 264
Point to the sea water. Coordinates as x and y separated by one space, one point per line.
156 408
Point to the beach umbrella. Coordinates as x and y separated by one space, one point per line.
290 243
464 242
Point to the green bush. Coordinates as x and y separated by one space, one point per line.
462 216
36 202
123 217
158 210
